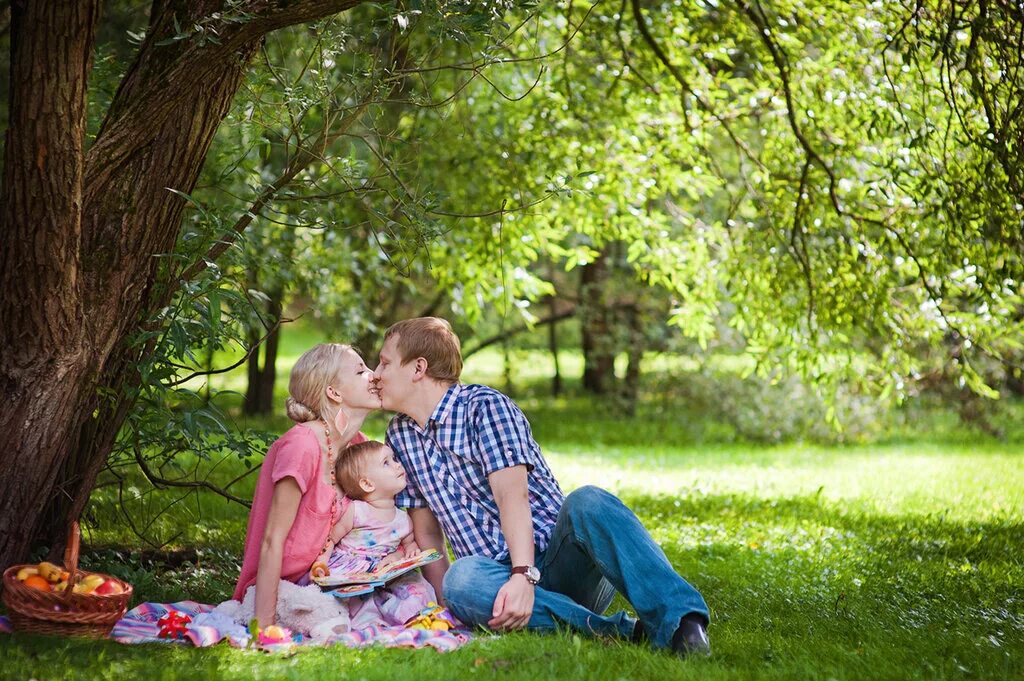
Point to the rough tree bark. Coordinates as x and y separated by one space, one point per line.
81 230
48 364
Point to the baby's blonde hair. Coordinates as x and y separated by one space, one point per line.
319 367
351 463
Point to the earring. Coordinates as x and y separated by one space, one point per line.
340 420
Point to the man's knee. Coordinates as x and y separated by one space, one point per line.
590 498
465 586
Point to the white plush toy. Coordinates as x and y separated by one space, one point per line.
305 609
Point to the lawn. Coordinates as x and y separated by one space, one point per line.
886 561
896 558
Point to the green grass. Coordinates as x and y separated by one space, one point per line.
889 561
895 557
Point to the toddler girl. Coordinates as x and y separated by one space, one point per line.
372 533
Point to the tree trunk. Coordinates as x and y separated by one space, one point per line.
252 371
47 376
87 227
596 327
268 372
556 380
259 395
637 343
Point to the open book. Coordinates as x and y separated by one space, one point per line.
377 577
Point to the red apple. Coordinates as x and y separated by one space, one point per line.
108 588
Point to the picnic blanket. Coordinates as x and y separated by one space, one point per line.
139 625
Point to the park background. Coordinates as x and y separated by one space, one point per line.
753 267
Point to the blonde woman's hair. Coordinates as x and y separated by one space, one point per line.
318 368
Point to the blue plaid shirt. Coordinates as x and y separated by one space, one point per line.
473 432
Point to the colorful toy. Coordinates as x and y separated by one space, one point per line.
172 625
274 634
433 617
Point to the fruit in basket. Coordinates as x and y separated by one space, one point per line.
36 582
26 572
50 572
89 584
109 588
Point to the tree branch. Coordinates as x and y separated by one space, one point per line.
505 335
305 155
160 482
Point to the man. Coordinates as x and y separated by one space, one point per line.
526 555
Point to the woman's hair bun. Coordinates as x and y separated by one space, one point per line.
299 412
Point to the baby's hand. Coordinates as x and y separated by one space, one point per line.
319 570
411 549
388 560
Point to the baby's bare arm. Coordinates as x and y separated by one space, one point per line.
344 525
408 546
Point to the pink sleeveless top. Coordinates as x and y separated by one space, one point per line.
369 534
296 454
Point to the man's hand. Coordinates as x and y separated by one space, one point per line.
513 605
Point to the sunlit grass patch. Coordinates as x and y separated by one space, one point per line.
890 560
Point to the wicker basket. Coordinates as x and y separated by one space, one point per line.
63 613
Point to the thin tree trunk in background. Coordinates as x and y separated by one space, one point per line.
262 375
596 331
637 345
268 372
556 380
252 374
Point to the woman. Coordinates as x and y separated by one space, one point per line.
295 504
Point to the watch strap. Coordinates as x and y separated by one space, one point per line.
529 571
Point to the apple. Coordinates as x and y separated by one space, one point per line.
109 588
89 584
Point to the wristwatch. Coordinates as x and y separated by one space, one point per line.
531 573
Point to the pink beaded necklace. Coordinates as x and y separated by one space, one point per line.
328 544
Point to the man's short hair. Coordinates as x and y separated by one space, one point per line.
432 339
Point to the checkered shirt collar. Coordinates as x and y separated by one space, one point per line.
444 408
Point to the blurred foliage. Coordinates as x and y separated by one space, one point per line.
833 195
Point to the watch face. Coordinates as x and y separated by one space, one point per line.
533 574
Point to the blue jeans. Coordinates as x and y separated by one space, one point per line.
598 546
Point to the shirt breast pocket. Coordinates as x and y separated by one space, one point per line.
466 468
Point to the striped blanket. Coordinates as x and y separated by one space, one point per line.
139 625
